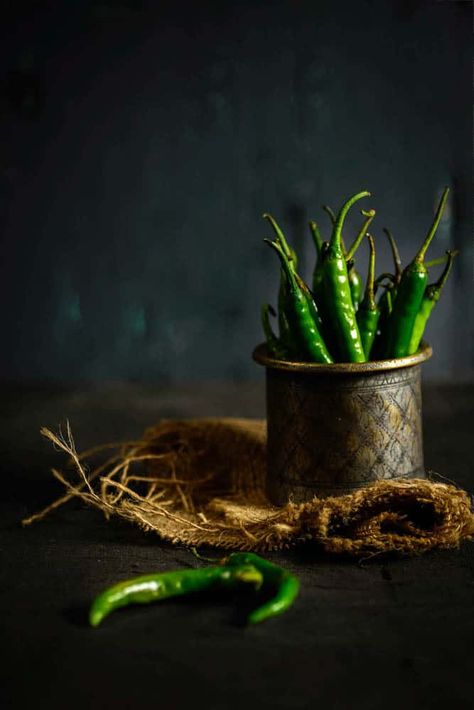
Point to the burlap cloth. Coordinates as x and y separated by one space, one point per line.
202 482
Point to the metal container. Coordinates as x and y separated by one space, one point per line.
335 428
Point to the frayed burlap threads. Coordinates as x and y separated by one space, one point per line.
202 482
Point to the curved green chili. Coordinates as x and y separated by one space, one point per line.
153 587
286 584
333 294
430 299
355 280
302 324
369 313
410 294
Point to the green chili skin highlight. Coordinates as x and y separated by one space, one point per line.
410 294
287 585
333 294
303 327
355 281
153 587
356 286
430 299
368 313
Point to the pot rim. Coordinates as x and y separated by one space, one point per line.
261 356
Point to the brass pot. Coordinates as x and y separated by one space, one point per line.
335 428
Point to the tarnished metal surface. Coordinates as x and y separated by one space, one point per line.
329 435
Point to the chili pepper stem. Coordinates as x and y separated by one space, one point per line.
382 277
369 290
214 560
284 260
279 235
337 231
419 258
363 231
440 259
287 585
439 285
317 239
397 262
331 214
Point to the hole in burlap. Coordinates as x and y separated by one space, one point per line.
202 482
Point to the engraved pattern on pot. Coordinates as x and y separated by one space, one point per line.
329 435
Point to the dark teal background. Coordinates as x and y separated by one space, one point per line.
141 141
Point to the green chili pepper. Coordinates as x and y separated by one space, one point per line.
318 267
325 329
369 313
287 585
303 325
355 280
330 212
355 284
385 302
333 294
274 344
286 335
410 294
429 301
153 587
313 309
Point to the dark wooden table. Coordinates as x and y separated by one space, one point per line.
382 634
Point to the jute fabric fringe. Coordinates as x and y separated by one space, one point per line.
201 482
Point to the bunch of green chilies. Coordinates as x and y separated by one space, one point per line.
336 321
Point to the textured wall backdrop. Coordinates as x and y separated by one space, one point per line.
141 141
